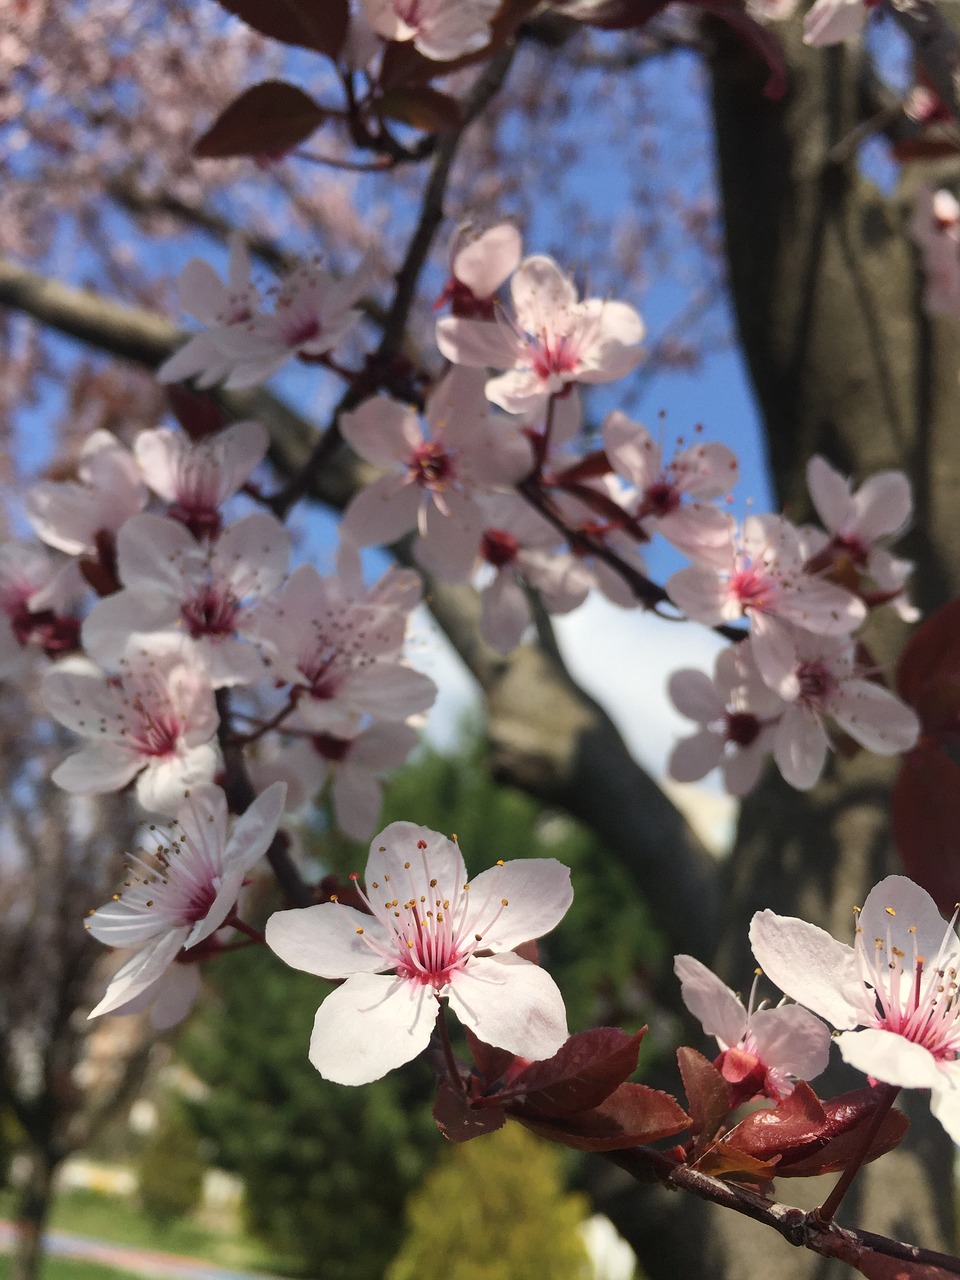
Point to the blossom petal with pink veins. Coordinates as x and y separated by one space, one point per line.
458 29
692 758
903 911
481 344
385 689
169 999
701 531
810 966
325 940
542 294
632 451
706 470
65 516
875 717
889 1057
833 21
172 463
77 693
719 1010
141 971
702 596
384 746
452 541
369 1026
251 555
382 431
614 352
945 1101
382 512
153 553
829 493
775 652
357 800
504 613
800 747
791 1039
484 263
403 842
823 608
457 406
200 359
510 1004
538 895
161 785
695 696
884 504
741 771
97 769
231 662
113 620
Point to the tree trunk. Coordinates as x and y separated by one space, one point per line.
32 1212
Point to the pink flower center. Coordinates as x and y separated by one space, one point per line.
817 683
210 613
661 498
552 354
499 548
432 929
431 466
753 587
915 997
741 728
303 329
331 748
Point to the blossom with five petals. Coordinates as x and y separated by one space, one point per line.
554 341
156 718
762 1050
182 890
897 983
439 29
432 934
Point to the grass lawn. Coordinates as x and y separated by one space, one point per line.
120 1221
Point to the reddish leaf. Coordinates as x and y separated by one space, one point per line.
267 119
928 673
630 1115
306 23
813 1137
708 1094
924 822
423 108
460 1122
197 412
492 1063
587 1069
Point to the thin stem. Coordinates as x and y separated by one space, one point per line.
453 1071
233 921
825 1214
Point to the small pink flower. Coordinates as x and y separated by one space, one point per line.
762 1051
37 599
155 719
432 935
440 29
480 266
182 890
898 983
935 229
197 477
554 341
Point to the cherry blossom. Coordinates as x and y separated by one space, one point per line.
834 21
898 983
182 890
859 522
831 684
440 29
554 340
762 1050
935 229
218 305
432 486
197 477
208 590
431 935
699 472
37 596
312 313
73 515
764 580
521 548
342 656
737 713
480 266
156 718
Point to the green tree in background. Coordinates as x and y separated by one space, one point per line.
170 1169
494 1209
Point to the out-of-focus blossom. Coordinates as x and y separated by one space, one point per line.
440 29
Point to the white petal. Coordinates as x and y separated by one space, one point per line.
370 1025
875 717
154 552
357 800
140 971
112 621
945 1101
478 343
163 783
486 262
631 449
695 696
510 1004
829 493
800 747
96 769
383 431
538 893
692 758
810 966
424 849
719 1010
542 294
324 940
792 1040
884 505
889 1057
903 911
504 613
383 512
